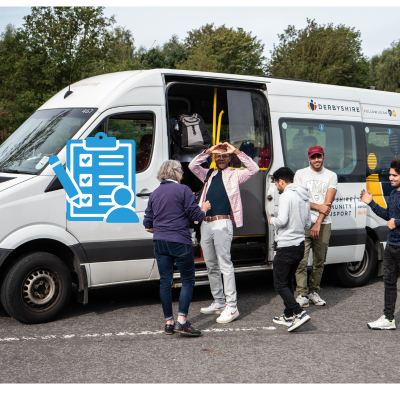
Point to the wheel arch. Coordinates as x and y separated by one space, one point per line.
69 251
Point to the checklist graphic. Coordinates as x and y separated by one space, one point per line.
99 179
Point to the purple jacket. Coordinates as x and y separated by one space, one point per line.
168 211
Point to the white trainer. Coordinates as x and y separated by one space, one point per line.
314 297
382 323
298 321
214 308
303 301
283 320
228 315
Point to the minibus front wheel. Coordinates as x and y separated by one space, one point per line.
36 288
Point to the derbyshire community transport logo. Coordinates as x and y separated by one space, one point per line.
99 179
392 113
313 106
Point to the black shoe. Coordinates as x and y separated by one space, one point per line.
186 329
169 329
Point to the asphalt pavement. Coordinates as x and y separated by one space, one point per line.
118 338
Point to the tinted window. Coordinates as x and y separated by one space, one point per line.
342 143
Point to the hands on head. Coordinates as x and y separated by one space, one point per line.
223 148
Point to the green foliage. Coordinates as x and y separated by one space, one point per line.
322 54
385 69
166 56
223 50
35 60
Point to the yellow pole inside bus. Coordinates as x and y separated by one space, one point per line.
213 165
219 125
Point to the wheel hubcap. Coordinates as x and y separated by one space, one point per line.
358 268
39 288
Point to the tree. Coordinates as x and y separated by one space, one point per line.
322 54
35 60
385 69
223 50
166 56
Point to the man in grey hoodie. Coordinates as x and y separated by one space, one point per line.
293 216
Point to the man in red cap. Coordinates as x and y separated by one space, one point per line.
322 186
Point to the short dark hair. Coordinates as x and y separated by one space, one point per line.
395 165
284 173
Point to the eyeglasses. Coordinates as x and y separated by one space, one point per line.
224 156
180 171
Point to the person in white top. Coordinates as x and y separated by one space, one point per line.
322 187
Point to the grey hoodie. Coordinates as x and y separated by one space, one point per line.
294 215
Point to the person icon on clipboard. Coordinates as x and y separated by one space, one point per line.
122 212
99 179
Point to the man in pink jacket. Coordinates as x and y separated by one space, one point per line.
222 191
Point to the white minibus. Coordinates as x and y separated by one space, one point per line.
274 121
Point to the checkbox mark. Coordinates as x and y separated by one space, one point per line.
85 180
86 200
85 160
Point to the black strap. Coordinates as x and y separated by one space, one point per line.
199 194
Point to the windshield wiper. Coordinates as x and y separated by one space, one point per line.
15 171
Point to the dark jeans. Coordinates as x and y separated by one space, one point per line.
391 262
182 254
286 261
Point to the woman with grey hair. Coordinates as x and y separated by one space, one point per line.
167 216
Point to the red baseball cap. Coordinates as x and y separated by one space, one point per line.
315 150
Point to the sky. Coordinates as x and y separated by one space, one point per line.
379 26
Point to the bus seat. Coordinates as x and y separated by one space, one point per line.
265 157
235 162
142 159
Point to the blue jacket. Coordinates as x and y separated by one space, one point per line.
168 212
392 211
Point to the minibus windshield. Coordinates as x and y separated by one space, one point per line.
45 133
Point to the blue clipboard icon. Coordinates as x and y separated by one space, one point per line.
100 179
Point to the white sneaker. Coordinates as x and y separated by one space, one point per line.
314 297
228 315
283 320
382 323
214 308
298 321
303 301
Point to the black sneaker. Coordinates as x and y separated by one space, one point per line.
186 329
169 329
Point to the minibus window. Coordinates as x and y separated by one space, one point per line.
341 141
44 134
138 127
383 145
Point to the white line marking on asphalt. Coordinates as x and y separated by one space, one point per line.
144 333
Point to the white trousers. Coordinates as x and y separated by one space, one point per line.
216 240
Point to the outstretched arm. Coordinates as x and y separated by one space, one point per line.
366 197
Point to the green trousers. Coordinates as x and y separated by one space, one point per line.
320 249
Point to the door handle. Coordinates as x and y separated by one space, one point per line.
144 194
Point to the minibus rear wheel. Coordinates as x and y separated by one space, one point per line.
36 288
358 273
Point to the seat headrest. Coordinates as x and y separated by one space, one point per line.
145 143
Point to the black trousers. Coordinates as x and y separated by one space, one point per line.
391 262
286 261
